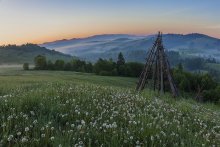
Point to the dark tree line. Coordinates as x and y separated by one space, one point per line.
41 63
101 67
119 68
196 83
203 85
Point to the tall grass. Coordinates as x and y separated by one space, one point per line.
42 108
82 114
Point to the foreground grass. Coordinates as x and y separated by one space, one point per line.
66 109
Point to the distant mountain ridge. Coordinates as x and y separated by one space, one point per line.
135 47
97 37
13 54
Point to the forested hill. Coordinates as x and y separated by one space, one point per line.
12 54
134 48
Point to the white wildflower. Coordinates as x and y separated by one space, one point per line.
52 138
27 129
10 137
24 139
18 133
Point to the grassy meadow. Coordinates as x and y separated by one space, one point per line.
51 108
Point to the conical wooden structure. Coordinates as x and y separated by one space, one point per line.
157 69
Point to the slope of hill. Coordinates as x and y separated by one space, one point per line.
13 54
74 109
134 47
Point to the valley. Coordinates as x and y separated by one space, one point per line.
135 47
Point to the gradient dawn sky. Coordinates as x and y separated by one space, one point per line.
38 21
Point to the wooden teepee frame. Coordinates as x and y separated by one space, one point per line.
158 65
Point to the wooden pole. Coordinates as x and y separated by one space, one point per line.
158 62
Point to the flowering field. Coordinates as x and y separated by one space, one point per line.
41 111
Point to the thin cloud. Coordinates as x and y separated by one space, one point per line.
213 27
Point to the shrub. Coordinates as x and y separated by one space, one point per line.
105 73
212 95
26 66
40 62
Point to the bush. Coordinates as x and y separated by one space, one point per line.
89 67
104 65
134 69
122 70
212 95
114 72
26 66
105 73
59 65
40 62
50 65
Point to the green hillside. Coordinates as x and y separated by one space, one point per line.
215 66
48 108
135 47
13 54
215 70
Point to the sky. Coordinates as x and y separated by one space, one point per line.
38 21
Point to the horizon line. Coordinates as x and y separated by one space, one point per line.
92 35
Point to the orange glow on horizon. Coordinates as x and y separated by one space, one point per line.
39 21
48 38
